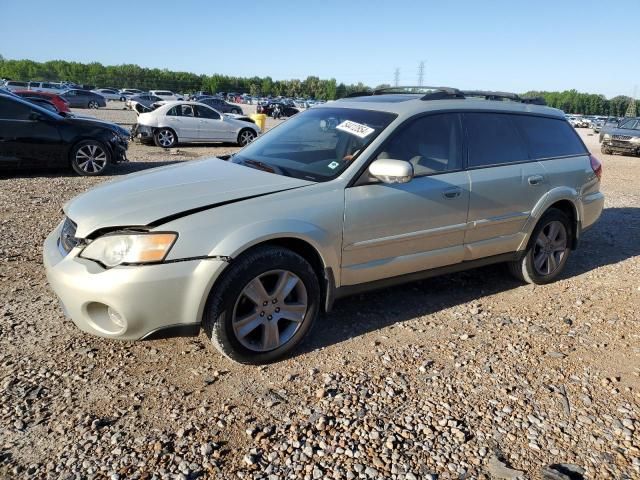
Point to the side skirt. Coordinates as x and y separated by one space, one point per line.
349 290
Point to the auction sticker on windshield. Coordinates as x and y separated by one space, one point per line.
355 128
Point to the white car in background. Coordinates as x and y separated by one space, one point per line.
166 95
192 122
108 93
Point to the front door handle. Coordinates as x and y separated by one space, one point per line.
535 179
452 192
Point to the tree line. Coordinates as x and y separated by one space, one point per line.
572 101
134 76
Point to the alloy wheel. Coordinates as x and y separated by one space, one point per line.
246 137
269 310
166 138
91 158
550 248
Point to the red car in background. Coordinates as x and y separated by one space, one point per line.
60 103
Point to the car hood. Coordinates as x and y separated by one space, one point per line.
158 195
92 122
623 131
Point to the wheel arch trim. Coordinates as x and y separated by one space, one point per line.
565 195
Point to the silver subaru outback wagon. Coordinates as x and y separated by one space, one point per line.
356 194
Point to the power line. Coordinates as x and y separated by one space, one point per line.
396 77
421 73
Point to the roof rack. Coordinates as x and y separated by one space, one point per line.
489 95
444 93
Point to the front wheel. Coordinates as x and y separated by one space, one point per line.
547 252
245 137
263 307
89 158
605 150
165 138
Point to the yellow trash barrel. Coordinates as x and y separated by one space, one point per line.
260 119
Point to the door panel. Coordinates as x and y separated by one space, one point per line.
396 229
210 130
500 204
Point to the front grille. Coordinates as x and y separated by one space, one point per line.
621 137
68 240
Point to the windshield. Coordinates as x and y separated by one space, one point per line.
315 145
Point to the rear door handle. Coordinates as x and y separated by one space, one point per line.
535 179
452 192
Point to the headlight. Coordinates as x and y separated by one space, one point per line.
130 248
606 136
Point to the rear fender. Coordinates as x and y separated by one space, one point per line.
552 196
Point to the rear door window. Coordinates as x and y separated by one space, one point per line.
493 139
549 137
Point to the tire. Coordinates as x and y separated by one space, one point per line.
165 138
123 99
90 158
236 111
93 104
605 150
262 317
246 136
547 251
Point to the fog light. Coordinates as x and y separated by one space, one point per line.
115 317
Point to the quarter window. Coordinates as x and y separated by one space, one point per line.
431 144
493 139
548 137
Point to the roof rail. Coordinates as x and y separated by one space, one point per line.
429 93
444 93
489 95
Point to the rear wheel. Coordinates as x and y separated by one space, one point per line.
235 110
93 104
90 158
165 138
263 307
548 250
245 137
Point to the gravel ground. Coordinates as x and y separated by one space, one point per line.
464 376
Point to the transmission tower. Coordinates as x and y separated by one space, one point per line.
632 111
396 77
421 73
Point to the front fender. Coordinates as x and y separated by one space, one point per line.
323 241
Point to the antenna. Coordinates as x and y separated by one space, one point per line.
396 77
421 73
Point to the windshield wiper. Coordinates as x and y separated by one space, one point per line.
259 165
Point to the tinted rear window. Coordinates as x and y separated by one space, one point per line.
493 139
549 137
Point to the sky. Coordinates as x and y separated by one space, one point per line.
515 45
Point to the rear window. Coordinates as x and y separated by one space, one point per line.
549 137
493 139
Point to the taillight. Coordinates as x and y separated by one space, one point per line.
596 166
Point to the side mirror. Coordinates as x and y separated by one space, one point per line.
391 171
